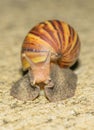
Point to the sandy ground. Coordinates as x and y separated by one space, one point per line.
16 19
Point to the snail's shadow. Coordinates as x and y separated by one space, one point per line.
76 65
23 73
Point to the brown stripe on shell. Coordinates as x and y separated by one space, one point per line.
50 32
71 30
44 37
38 42
72 43
71 57
70 37
48 24
76 49
31 46
28 49
51 41
62 33
64 64
54 22
76 43
76 46
68 63
55 36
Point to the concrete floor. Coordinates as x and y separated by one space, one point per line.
17 17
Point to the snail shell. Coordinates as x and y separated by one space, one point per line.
55 36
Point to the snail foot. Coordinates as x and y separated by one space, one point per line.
64 85
23 90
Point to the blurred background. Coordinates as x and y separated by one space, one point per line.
24 14
17 17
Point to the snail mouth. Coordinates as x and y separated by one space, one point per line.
41 84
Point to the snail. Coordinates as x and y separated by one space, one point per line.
50 47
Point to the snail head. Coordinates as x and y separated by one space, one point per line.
41 70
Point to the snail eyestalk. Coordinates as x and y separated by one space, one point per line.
28 59
48 58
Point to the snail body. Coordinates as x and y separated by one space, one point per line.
49 42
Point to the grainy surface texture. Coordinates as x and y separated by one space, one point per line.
16 19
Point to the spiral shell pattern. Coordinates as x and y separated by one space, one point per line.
58 37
